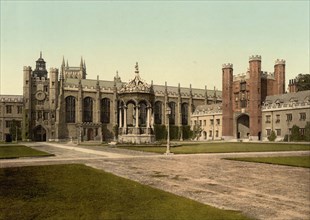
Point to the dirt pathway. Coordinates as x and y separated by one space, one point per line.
260 191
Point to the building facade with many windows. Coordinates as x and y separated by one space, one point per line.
11 109
63 104
207 120
281 112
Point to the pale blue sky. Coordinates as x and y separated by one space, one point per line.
177 41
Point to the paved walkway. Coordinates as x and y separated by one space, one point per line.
261 191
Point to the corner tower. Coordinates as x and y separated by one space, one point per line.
227 91
254 110
279 76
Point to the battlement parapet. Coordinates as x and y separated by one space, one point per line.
255 58
27 68
266 75
279 62
227 66
241 76
53 70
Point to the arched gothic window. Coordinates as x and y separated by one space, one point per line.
70 109
88 110
172 115
158 112
184 111
105 110
143 114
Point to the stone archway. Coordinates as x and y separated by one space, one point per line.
39 133
243 126
90 134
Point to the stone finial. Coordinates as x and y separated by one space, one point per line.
255 58
41 54
227 66
137 68
279 62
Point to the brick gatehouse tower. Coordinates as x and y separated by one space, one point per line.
243 95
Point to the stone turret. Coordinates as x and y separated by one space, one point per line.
279 76
227 104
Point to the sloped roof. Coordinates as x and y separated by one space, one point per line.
300 96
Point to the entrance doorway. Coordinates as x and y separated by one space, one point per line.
90 134
39 133
243 126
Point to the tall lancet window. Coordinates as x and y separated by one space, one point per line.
88 110
184 111
172 116
158 112
105 110
70 109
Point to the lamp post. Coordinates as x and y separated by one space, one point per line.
168 112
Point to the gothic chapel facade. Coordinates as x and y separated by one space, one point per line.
64 105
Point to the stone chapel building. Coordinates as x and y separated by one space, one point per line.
63 104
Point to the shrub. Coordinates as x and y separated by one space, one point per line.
295 136
307 132
160 132
272 136
187 132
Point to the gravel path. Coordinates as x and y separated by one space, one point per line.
261 191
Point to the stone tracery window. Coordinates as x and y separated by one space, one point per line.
184 111
158 112
143 113
105 110
88 110
70 109
172 115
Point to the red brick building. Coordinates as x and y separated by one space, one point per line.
243 95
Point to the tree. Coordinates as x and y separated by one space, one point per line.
272 136
303 82
295 136
15 130
307 132
197 131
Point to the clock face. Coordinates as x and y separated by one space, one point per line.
40 95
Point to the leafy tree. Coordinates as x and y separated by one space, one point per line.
272 136
15 130
307 132
303 82
295 136
197 131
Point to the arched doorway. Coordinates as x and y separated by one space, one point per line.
243 126
90 134
39 133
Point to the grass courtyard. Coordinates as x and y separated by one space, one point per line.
295 161
9 151
222 147
80 192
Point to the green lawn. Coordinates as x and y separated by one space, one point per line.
80 192
222 147
15 151
296 161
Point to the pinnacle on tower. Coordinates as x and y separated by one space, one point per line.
41 54
81 64
137 68
63 61
67 64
